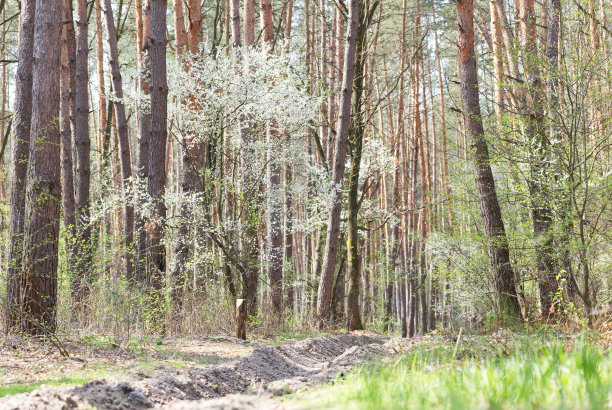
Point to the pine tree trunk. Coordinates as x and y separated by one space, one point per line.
20 142
498 61
43 192
190 155
143 17
274 203
81 279
503 276
249 23
67 102
194 24
250 188
181 37
235 16
125 159
288 244
157 154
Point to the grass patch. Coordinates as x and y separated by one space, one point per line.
16 388
531 376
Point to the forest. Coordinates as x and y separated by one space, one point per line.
305 204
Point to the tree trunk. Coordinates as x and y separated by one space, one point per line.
335 207
157 154
143 17
20 141
250 188
288 245
357 130
503 276
235 16
194 24
67 101
125 159
498 61
102 106
274 205
82 275
191 155
249 25
181 37
538 160
43 192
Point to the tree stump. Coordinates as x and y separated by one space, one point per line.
241 316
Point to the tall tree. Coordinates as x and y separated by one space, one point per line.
249 185
67 106
20 143
335 207
143 43
538 144
43 192
191 155
274 205
80 285
122 134
499 254
159 135
356 135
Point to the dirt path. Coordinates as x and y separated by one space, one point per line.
240 383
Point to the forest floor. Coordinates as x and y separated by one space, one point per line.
545 367
178 373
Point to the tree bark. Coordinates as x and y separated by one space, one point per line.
181 37
194 24
288 240
143 17
274 203
125 158
67 102
190 155
503 276
82 275
20 141
498 61
235 16
357 130
157 153
335 206
538 160
249 24
250 188
102 107
43 192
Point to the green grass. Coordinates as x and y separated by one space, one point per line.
546 376
17 388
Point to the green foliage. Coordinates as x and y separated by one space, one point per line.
28 387
533 376
255 320
101 342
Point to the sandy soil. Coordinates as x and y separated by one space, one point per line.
222 382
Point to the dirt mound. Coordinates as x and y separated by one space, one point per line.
276 370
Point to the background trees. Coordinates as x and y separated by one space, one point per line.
217 168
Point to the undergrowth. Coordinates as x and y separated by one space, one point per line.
491 375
